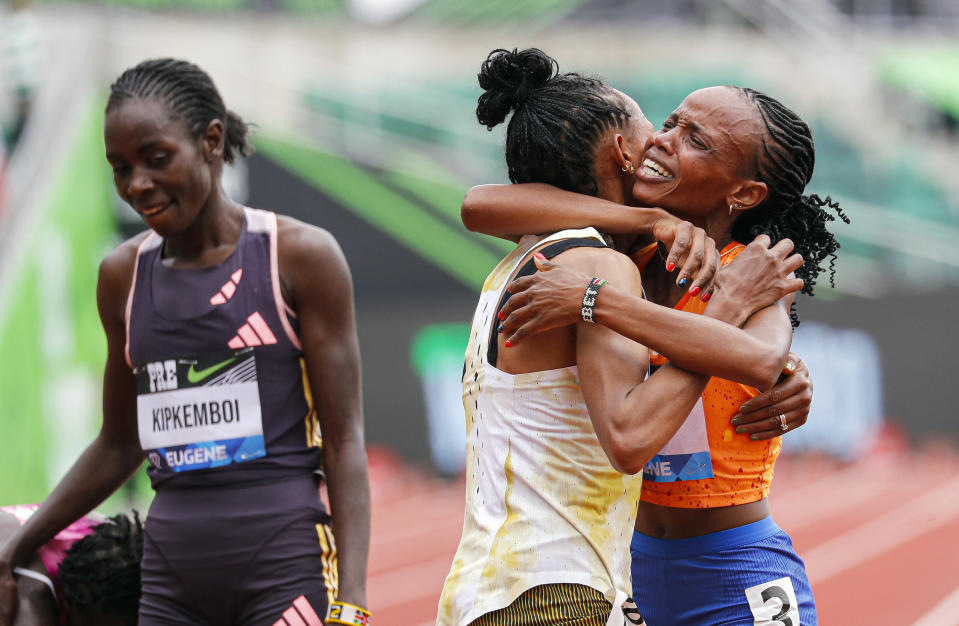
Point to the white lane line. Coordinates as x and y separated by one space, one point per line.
934 508
946 613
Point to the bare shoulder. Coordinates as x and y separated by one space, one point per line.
125 254
299 242
604 263
116 271
311 266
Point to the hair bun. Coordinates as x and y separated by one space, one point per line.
508 79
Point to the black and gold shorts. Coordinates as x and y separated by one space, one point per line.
552 605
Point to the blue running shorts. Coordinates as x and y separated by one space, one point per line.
745 575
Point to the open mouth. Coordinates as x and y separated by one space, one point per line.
155 209
654 169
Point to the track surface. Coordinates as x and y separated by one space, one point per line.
880 536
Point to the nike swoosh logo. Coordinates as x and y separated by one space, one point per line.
195 376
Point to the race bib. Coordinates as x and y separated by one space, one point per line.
686 455
200 412
774 603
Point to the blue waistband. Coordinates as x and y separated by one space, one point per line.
704 544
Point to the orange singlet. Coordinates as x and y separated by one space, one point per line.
742 469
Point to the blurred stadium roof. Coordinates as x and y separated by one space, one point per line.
397 100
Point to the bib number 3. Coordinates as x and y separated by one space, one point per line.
774 603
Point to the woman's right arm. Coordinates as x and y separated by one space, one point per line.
115 454
508 211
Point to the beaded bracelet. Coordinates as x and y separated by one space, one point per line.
589 299
345 613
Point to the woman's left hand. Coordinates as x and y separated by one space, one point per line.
783 408
550 298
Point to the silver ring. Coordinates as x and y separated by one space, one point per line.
782 421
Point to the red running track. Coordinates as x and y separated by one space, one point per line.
880 536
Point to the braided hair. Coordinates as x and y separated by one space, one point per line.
101 572
785 163
188 92
557 118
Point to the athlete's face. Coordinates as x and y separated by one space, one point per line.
159 168
705 149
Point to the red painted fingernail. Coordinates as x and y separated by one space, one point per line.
540 256
670 266
707 296
694 290
508 344
499 315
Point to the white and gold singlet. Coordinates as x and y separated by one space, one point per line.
543 503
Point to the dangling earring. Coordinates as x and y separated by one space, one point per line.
733 206
629 168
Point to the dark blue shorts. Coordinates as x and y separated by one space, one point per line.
238 555
745 575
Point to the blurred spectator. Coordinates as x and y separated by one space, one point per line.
20 68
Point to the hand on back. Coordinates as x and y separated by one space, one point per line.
761 275
550 298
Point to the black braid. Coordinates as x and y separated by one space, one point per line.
785 163
557 118
188 92
102 571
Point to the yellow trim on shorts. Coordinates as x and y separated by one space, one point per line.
314 437
328 559
559 604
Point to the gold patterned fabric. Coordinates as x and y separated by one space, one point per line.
559 605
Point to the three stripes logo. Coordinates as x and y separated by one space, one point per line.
228 289
256 332
300 614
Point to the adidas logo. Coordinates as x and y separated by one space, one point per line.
300 614
228 289
255 332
